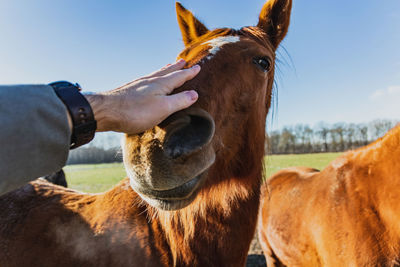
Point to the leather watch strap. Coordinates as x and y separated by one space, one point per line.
84 123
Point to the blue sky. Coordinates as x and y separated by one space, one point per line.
344 62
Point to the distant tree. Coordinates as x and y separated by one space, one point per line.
323 132
308 139
92 155
287 141
339 129
273 143
362 130
349 132
378 128
300 138
333 140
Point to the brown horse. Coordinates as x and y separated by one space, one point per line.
346 215
192 195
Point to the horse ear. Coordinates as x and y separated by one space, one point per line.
274 19
191 27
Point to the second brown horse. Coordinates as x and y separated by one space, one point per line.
346 215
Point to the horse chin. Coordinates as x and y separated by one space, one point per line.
175 198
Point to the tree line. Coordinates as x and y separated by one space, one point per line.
338 137
94 155
296 139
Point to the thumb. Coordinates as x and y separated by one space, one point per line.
181 100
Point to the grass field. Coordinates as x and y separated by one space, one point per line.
101 177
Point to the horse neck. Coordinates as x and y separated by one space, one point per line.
217 228
379 160
376 171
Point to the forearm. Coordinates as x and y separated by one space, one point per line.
36 128
102 107
35 135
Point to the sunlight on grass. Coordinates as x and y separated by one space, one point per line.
318 161
95 178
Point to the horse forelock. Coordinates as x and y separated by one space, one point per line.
212 40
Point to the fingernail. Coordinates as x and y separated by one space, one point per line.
196 67
192 95
180 61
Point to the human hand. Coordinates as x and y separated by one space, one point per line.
144 103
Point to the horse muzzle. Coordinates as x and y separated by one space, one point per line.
168 165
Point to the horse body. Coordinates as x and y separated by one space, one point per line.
192 195
115 229
345 215
47 225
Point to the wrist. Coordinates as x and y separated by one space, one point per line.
81 118
101 111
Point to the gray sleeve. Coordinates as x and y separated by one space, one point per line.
34 134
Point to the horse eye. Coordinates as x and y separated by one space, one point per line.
264 63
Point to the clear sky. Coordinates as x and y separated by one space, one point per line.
343 61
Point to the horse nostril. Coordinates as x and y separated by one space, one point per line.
188 132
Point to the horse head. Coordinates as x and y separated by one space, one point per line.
222 134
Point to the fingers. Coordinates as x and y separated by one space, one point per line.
176 79
168 69
180 101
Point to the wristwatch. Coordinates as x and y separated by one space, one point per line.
84 124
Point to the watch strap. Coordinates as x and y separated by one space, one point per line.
84 123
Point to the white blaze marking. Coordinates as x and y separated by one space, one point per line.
218 42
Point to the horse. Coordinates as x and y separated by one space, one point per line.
345 215
191 197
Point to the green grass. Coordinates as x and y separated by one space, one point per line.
94 178
318 161
101 177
